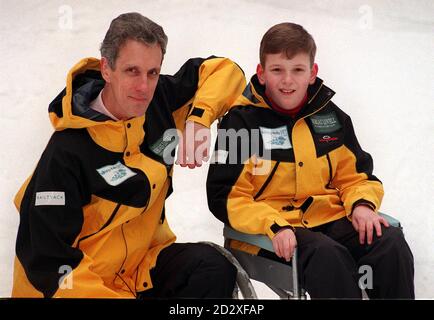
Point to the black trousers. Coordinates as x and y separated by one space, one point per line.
333 264
191 270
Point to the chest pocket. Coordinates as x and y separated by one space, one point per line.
327 132
155 171
325 123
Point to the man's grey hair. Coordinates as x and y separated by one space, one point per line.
131 26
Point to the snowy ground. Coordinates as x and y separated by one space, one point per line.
376 54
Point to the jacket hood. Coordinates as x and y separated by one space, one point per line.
254 94
71 107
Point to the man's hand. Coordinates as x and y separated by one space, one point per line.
364 220
284 243
194 145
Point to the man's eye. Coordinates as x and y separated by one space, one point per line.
299 70
275 70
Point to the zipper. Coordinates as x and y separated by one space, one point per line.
115 211
316 93
267 181
329 184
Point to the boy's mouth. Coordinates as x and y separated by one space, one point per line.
286 92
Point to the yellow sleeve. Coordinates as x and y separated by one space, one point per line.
250 216
354 174
220 83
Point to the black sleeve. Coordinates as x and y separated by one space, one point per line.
182 86
227 162
51 218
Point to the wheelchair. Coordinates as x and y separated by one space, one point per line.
281 278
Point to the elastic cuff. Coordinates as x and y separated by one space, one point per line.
200 115
362 202
275 228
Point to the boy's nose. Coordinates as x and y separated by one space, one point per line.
287 79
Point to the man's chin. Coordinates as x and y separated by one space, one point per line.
139 111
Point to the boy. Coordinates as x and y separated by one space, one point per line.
320 195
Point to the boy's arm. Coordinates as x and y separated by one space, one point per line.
353 178
51 218
230 191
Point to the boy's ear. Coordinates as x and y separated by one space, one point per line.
313 73
260 73
105 69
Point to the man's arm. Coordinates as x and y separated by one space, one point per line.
199 93
194 145
51 218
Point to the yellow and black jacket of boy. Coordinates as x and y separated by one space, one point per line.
92 217
316 170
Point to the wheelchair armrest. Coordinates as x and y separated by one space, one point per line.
392 221
263 269
258 240
264 242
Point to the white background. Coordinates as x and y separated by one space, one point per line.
377 56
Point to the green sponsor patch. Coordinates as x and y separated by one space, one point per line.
116 173
325 123
158 146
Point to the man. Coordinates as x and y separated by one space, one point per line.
92 219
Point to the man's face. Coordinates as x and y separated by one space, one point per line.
131 84
286 80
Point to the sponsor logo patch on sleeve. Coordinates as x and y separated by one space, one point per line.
50 198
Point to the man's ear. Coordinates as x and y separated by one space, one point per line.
105 69
260 73
313 73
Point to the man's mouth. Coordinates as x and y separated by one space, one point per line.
138 99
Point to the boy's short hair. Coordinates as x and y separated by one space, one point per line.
288 38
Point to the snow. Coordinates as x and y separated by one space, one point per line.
377 56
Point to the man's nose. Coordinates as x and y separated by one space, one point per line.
142 84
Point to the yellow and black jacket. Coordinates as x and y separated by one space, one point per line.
92 216
307 171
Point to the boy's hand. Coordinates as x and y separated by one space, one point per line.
284 243
194 145
364 220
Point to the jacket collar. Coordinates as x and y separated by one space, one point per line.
317 96
71 110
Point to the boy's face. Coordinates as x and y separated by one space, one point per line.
286 80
